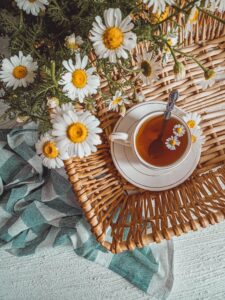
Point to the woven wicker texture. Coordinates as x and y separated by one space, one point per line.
135 217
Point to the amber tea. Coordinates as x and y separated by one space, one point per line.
149 131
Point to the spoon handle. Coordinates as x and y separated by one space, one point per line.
173 96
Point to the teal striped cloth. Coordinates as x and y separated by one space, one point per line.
38 209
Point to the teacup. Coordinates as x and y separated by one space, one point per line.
150 127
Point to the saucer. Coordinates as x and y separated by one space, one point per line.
137 173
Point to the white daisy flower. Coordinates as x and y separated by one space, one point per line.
192 20
158 5
210 77
73 43
114 38
49 152
33 7
117 101
172 142
197 136
79 82
18 71
76 133
193 120
159 16
179 130
2 93
172 39
150 67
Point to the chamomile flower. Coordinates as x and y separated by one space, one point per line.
159 16
33 7
18 71
150 67
76 134
114 38
158 5
172 39
60 110
172 142
210 77
73 43
49 152
79 82
192 20
179 130
197 136
117 101
193 120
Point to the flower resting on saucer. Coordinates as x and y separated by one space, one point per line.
197 136
49 153
193 120
172 142
179 130
76 133
113 38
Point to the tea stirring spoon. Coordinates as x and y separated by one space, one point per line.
156 146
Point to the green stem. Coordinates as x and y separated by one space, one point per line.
128 70
191 57
21 20
53 73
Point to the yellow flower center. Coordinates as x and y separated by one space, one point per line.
172 142
193 138
157 17
146 68
32 1
72 46
209 74
117 100
179 130
194 17
191 123
77 132
79 78
113 38
20 72
50 150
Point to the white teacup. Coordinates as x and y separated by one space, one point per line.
127 140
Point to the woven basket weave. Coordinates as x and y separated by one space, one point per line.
135 217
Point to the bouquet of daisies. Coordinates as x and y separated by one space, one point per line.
60 52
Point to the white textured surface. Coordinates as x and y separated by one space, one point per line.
199 273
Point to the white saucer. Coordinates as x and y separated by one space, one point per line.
137 173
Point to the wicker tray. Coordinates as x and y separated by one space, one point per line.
135 217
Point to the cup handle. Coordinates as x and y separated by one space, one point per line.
120 138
